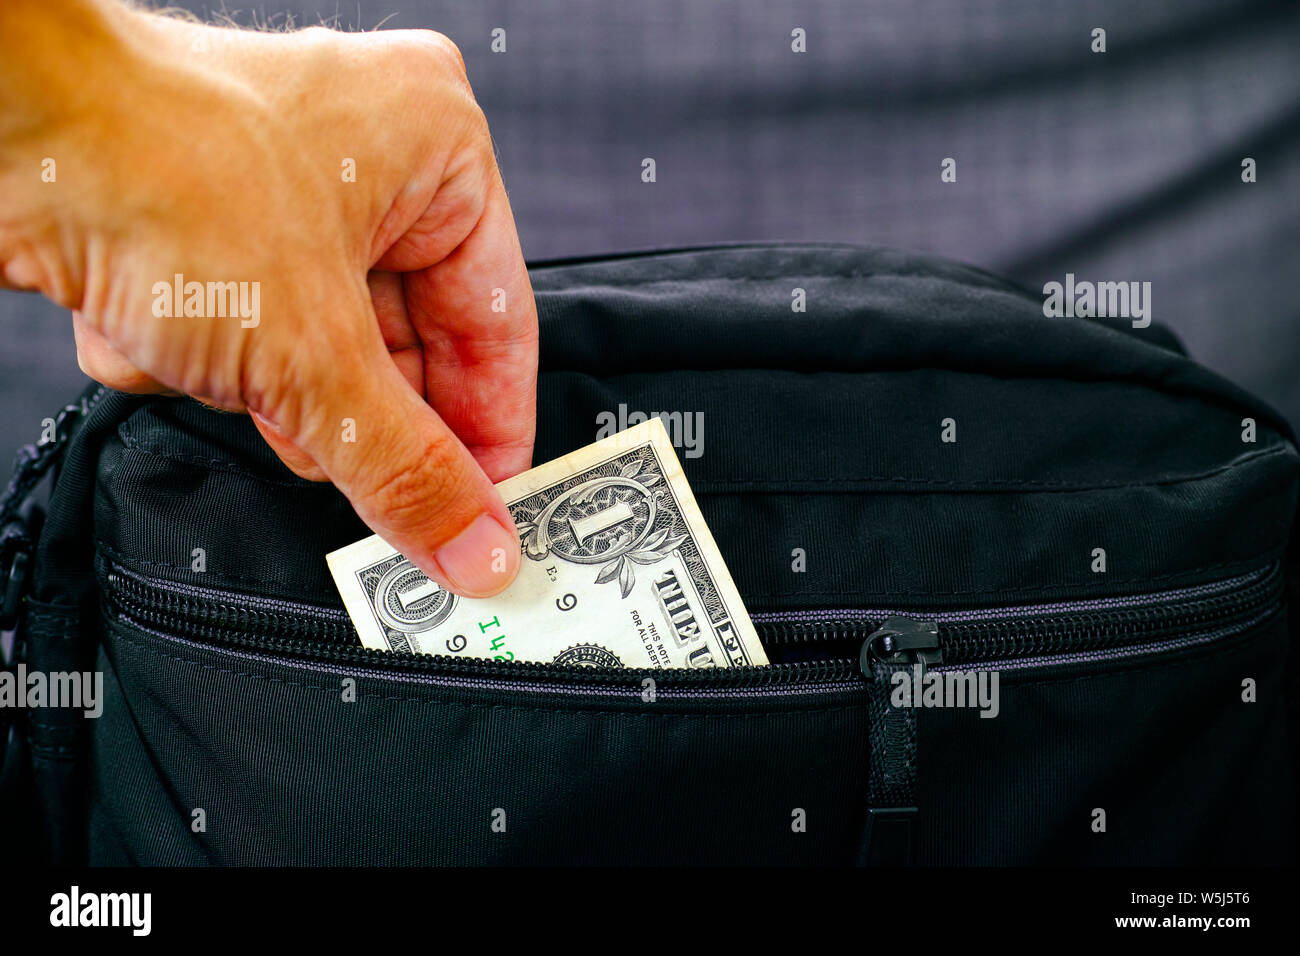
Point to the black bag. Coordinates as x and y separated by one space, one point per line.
1107 534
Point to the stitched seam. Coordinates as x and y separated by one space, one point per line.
712 485
783 277
163 565
49 632
1245 563
56 753
1003 483
49 611
1249 563
133 443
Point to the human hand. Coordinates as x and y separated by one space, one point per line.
347 185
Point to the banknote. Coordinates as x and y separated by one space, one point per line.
618 570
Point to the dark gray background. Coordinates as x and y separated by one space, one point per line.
1115 166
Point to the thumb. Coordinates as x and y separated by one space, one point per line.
408 477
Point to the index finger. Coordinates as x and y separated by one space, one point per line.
475 315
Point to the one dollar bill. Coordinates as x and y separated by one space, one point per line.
618 570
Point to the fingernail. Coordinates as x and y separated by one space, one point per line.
481 560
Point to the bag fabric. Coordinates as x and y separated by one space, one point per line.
917 441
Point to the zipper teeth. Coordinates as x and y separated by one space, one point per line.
774 680
206 605
1118 653
630 689
1103 624
322 638
211 617
1104 630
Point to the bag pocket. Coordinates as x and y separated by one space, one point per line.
299 745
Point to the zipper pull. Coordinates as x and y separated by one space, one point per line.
898 644
901 641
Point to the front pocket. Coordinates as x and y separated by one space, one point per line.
832 661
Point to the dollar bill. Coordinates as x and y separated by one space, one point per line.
618 570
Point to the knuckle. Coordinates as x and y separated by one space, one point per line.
448 49
317 33
283 393
433 50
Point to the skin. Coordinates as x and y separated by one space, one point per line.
219 154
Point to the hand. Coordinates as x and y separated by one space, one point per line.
384 334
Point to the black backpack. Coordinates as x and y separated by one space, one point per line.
917 481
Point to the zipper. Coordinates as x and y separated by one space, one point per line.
322 638
1037 635
860 649
844 644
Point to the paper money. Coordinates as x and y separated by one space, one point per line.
618 570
